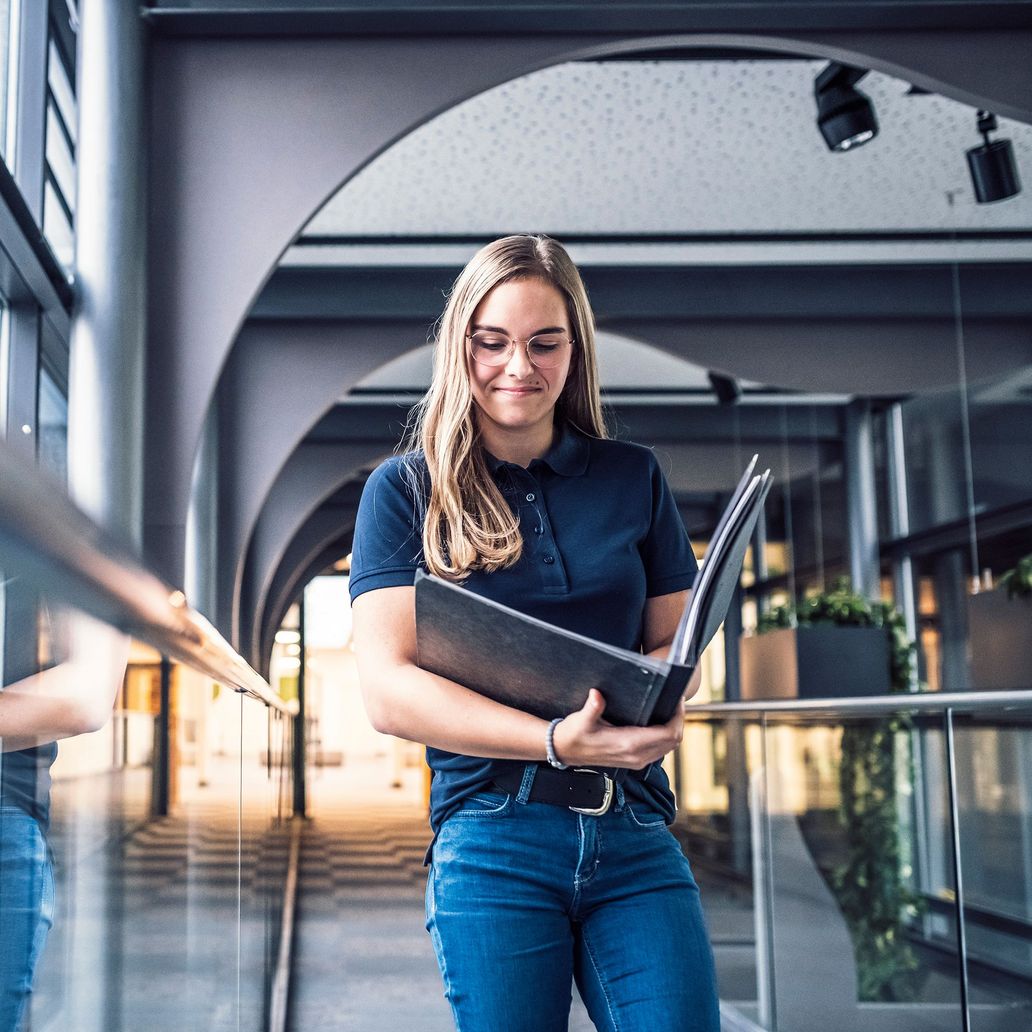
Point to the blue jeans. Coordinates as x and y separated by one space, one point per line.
523 898
26 910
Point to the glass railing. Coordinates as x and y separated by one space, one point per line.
866 864
144 826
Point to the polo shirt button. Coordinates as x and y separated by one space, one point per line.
549 559
539 530
531 497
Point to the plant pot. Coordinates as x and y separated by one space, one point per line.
1000 640
822 661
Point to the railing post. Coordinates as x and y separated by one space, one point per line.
958 873
160 769
300 719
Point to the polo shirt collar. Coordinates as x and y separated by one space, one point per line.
568 455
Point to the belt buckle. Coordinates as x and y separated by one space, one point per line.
607 799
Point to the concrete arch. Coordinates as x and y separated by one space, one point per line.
229 140
326 527
275 387
314 473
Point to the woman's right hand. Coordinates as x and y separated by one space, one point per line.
585 739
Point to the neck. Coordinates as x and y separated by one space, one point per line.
518 446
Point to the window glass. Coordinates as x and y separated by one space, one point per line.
57 226
8 24
60 159
53 427
61 136
62 92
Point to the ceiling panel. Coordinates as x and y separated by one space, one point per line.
675 147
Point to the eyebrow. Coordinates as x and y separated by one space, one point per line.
500 329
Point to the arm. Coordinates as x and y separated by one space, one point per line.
662 615
72 698
403 700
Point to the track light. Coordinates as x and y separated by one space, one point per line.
992 166
845 116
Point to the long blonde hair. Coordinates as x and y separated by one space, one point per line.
467 523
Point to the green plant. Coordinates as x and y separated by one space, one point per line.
870 885
1018 579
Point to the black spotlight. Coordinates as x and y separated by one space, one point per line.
992 166
725 387
845 116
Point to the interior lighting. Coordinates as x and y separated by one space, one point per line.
845 116
993 171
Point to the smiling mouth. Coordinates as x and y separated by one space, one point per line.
518 390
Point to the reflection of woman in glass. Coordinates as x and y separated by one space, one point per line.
71 698
511 486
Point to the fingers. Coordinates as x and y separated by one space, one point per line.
586 735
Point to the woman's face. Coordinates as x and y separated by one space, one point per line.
518 396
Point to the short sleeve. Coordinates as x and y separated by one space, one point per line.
670 563
388 543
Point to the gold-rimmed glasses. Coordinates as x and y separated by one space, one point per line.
544 350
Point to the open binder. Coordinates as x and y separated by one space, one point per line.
548 671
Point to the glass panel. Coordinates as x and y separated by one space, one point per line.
719 761
994 799
1001 441
168 921
859 876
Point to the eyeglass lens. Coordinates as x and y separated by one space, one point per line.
495 349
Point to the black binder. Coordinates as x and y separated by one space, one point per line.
548 671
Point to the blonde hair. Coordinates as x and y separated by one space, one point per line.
467 524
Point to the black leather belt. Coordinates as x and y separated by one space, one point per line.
579 788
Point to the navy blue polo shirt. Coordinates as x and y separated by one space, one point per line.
601 533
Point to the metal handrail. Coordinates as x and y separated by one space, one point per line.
46 539
961 701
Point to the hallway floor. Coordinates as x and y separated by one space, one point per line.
363 960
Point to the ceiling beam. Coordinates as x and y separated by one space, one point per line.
462 17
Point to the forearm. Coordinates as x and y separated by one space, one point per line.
694 682
72 698
422 707
49 706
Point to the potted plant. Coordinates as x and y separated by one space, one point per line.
1000 630
831 645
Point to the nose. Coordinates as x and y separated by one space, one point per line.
519 365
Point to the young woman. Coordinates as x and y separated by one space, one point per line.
541 872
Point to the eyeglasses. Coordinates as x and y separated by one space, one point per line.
545 351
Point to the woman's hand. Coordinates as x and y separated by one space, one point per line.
585 739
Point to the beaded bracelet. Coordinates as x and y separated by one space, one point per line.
550 746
